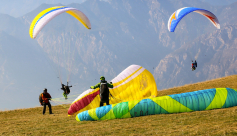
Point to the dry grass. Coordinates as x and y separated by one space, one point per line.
213 122
225 82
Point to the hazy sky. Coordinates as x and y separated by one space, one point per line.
219 2
18 8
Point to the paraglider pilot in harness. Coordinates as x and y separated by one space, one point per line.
66 90
104 90
194 65
44 100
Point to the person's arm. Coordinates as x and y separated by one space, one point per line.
49 96
96 86
110 85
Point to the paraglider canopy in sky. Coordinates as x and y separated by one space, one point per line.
180 13
48 14
61 53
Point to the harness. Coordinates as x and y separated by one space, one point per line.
104 90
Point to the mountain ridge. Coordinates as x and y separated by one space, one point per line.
123 33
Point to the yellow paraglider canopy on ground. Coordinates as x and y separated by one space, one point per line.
134 83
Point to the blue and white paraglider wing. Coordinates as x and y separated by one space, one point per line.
180 13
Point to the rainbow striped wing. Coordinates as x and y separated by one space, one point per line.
186 102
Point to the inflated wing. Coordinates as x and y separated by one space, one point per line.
134 83
180 13
48 14
177 103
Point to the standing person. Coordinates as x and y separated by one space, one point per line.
104 90
44 100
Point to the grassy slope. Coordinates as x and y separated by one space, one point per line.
214 122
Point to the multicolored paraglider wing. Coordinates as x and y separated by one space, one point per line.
185 102
134 83
180 13
48 14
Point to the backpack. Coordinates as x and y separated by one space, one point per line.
40 98
104 91
67 90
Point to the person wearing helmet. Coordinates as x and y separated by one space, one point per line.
104 90
44 100
66 90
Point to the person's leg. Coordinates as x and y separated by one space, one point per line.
65 95
50 109
107 102
44 108
101 103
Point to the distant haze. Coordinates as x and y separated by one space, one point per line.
17 8
124 32
219 2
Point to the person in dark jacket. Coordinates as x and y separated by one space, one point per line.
194 65
66 90
104 90
45 97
